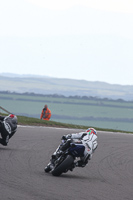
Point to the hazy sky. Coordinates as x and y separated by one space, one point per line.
79 39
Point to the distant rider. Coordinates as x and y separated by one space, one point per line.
8 127
88 139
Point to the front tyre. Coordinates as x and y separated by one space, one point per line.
63 166
47 169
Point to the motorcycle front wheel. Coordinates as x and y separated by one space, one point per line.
63 166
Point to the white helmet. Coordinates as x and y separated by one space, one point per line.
91 130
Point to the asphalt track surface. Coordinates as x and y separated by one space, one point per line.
109 175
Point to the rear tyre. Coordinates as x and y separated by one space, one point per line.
63 166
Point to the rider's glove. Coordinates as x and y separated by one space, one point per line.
66 137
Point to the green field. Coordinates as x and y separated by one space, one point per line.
102 113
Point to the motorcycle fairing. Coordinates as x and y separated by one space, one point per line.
77 150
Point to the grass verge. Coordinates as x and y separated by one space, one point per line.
22 120
29 121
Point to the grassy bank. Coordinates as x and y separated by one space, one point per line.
29 121
38 122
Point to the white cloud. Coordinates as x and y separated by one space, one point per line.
125 6
81 40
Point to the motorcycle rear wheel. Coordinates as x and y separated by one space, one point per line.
63 166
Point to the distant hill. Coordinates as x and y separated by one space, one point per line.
67 87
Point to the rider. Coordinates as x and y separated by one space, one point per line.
88 139
8 127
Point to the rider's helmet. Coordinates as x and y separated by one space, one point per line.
91 130
11 115
13 118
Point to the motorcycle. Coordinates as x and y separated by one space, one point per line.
65 161
8 127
